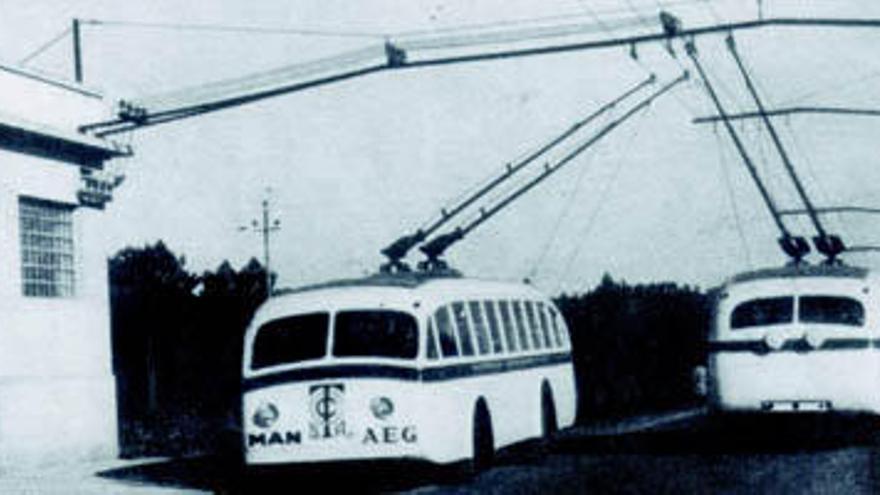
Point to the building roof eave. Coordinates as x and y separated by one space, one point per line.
49 142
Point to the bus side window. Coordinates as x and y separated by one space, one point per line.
561 335
520 327
537 338
504 308
479 327
542 317
444 333
464 332
493 327
431 343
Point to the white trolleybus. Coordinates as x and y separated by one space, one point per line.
403 366
797 339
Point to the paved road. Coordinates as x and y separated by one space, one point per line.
678 454
696 457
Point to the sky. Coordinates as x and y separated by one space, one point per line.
351 166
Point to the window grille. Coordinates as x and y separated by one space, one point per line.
46 229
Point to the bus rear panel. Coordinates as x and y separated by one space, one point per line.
363 372
796 345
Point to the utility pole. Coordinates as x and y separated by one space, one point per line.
265 227
77 53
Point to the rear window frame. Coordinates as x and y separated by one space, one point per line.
256 363
754 323
860 305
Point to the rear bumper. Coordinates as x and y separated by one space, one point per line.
795 383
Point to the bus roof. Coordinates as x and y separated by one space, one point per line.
398 287
402 280
801 271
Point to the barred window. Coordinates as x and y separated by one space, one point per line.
46 231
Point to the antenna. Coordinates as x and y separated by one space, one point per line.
398 249
266 228
795 247
435 248
829 245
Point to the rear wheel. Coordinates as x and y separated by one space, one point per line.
549 424
483 439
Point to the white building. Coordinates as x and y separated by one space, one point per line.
57 390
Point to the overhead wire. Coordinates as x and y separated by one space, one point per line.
713 12
678 98
863 78
734 97
843 224
633 54
797 148
228 28
588 11
312 31
592 13
603 199
766 161
753 131
525 158
725 173
804 197
637 13
45 46
565 212
435 247
842 221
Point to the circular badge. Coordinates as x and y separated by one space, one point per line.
382 407
265 415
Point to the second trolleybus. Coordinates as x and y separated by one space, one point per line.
797 339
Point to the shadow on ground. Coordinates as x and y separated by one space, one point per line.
733 434
220 475
738 436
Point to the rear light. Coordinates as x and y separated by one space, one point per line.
814 341
774 341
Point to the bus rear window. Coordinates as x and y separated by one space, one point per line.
290 340
375 333
831 309
760 312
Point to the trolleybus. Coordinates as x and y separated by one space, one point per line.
797 339
404 365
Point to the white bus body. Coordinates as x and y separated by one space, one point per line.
403 366
797 339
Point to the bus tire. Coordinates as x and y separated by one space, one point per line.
483 439
549 422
